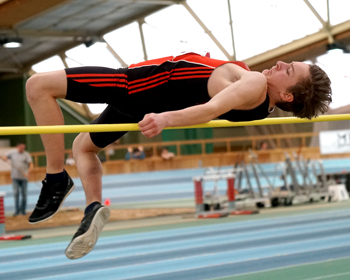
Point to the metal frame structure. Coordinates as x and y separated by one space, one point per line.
14 21
53 27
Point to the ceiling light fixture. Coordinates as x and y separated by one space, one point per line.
89 41
337 46
11 42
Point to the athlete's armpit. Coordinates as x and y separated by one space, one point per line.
245 94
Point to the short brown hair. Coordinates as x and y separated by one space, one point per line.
311 95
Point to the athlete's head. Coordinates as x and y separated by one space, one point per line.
305 90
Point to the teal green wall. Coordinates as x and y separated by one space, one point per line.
12 101
189 134
15 111
34 142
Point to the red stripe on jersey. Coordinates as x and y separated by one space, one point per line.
149 82
194 68
192 72
185 75
166 75
189 57
144 88
109 85
191 77
96 75
148 78
162 81
168 72
100 80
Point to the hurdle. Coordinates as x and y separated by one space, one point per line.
229 177
3 236
2 213
249 195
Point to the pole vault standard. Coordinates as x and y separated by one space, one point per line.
20 130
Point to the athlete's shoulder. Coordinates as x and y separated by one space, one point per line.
255 83
257 76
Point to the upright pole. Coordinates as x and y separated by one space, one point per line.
231 193
2 214
198 191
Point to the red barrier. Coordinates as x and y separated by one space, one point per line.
231 189
14 237
198 191
2 210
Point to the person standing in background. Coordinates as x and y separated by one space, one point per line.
21 166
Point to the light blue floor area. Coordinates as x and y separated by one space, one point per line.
201 249
224 247
164 185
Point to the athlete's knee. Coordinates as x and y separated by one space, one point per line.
33 88
46 85
83 144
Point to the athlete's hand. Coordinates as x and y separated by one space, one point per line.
152 124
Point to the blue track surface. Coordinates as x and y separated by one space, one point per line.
158 186
204 249
221 248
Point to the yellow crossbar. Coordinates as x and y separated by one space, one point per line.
19 130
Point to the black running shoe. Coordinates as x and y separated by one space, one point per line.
90 228
51 198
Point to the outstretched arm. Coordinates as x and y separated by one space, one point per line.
238 95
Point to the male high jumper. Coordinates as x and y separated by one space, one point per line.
176 91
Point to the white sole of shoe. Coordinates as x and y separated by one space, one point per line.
71 189
83 244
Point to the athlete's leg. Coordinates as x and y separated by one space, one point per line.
89 167
96 215
80 84
85 149
42 91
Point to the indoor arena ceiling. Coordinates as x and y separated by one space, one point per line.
52 27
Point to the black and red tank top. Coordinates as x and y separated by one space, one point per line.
174 83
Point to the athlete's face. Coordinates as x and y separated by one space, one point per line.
284 75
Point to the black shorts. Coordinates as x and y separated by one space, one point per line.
131 93
101 85
96 85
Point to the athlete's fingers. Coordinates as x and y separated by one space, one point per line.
149 132
151 125
147 121
146 124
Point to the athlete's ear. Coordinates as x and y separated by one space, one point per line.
287 96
